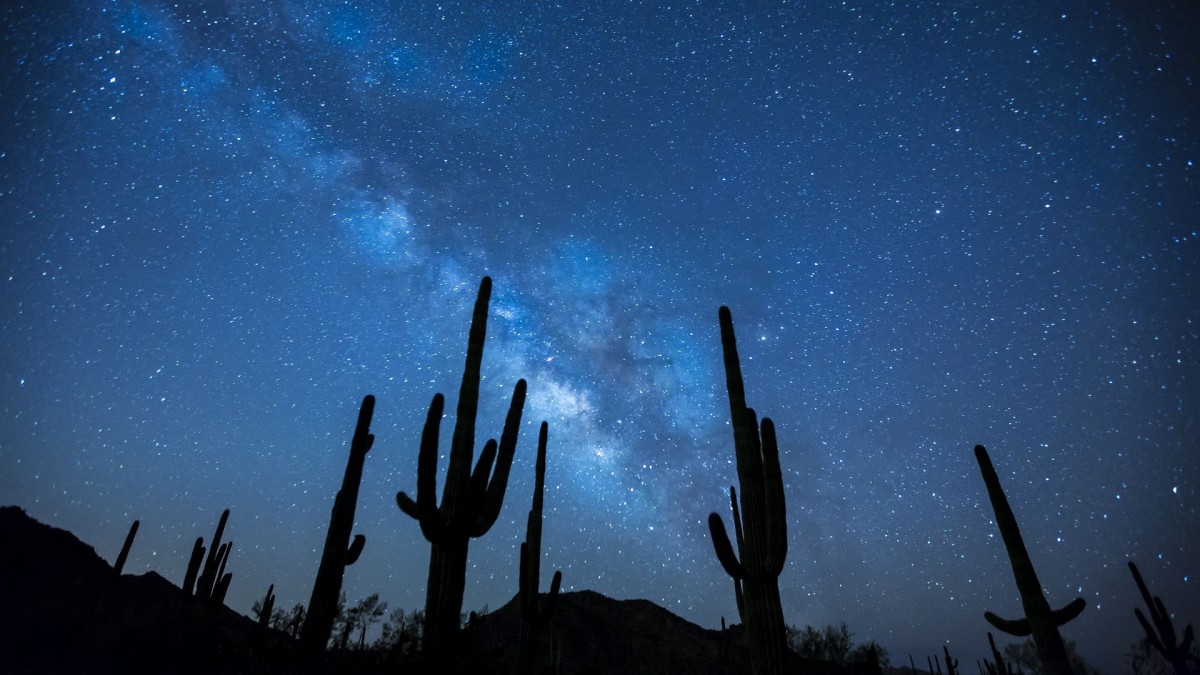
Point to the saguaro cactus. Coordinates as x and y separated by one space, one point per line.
762 546
997 665
1161 633
536 613
471 500
124 554
213 581
1040 621
268 606
339 552
951 664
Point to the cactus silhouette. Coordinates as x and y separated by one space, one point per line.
951 664
997 665
124 554
536 613
268 606
339 551
213 581
1160 630
1040 621
471 500
762 545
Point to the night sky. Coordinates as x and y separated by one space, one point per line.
222 224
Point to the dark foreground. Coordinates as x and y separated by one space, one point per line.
63 609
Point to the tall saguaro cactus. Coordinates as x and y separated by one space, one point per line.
339 551
535 615
1040 621
471 499
762 541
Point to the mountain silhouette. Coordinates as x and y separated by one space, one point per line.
64 609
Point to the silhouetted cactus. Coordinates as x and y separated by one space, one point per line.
762 546
124 554
471 501
193 568
536 613
213 581
214 564
339 551
268 606
997 666
1160 630
951 664
1040 621
740 538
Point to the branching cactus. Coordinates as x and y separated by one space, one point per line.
762 546
1040 621
471 499
213 581
339 550
1160 630
997 665
536 612
951 664
268 606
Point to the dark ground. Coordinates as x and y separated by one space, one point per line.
63 609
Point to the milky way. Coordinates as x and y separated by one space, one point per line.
936 225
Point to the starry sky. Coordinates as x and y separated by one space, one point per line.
936 224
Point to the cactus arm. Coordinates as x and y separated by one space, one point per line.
724 549
493 499
738 596
477 487
356 549
1014 627
222 588
1072 609
424 510
737 517
774 500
